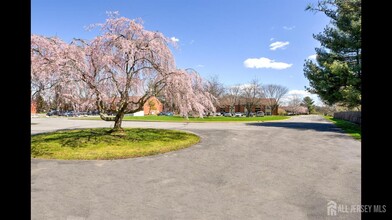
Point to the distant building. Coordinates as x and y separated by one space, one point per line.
153 106
262 104
33 108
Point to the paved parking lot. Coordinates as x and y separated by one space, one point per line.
273 170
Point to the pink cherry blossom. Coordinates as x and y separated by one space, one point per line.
125 61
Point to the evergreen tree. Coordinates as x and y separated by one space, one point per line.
308 103
40 103
336 74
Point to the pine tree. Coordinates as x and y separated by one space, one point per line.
336 75
308 103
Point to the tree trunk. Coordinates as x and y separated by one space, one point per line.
248 110
273 108
118 121
119 117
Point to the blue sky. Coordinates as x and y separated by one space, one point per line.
238 40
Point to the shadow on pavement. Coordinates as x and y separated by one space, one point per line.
299 126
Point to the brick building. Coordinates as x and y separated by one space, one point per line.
33 108
153 106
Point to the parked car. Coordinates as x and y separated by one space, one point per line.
93 112
61 113
52 112
81 114
165 114
212 114
252 114
260 114
70 114
238 114
227 114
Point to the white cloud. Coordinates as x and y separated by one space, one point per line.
271 39
200 65
174 39
263 62
245 85
191 42
299 92
312 57
302 94
278 44
288 28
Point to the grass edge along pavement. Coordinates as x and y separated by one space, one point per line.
100 144
352 129
152 118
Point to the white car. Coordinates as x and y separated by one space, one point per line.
260 114
227 114
238 114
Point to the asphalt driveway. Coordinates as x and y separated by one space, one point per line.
272 170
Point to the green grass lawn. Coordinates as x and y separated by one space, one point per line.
192 119
100 144
352 129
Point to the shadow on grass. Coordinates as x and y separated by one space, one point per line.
76 138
